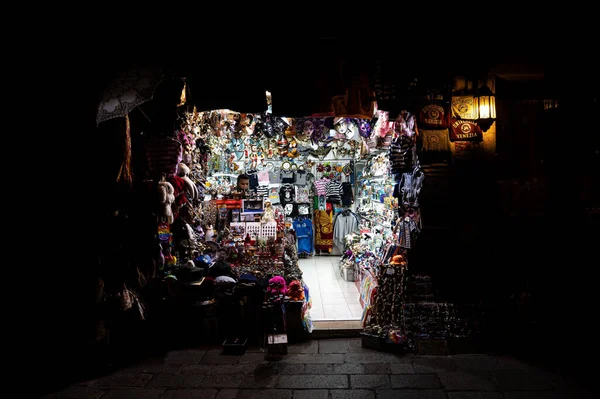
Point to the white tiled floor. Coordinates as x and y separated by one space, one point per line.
333 298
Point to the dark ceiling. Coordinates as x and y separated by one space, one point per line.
306 72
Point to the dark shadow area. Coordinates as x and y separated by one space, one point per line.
525 259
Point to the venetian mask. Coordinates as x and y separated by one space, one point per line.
342 126
308 128
280 125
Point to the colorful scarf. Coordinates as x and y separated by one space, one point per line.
324 230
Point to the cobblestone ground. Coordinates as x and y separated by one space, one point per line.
325 369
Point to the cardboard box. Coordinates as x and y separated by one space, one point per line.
235 346
348 274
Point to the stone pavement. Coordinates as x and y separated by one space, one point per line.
325 369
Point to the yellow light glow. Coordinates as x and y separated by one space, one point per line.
484 107
486 102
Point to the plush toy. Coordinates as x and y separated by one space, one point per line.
277 286
183 171
166 197
296 291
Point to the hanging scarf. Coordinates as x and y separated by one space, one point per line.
324 230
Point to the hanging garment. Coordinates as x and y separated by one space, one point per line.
465 130
304 235
408 232
463 107
263 178
321 186
261 191
274 176
287 194
347 194
434 114
401 154
274 195
333 192
304 209
409 187
290 210
321 202
288 176
302 194
323 230
301 176
163 156
252 178
346 223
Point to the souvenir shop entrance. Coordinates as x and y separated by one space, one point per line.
331 205
327 181
267 215
300 178
269 222
268 219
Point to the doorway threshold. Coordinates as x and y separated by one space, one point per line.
336 329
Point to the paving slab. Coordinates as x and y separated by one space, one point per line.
334 368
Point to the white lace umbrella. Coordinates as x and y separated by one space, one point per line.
127 91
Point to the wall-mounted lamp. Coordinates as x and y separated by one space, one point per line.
486 104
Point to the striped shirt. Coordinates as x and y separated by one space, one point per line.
334 192
262 191
321 186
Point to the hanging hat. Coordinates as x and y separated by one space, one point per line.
224 280
248 279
